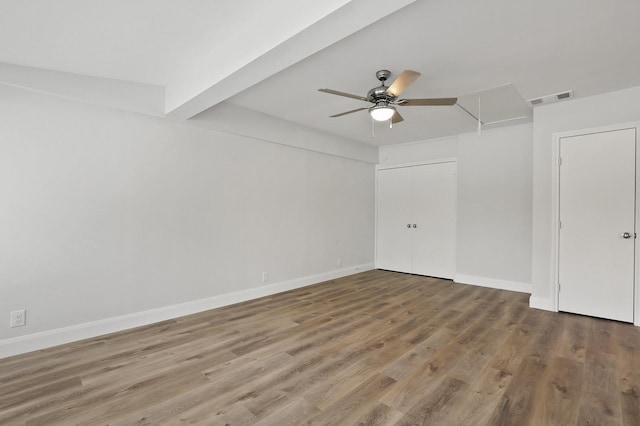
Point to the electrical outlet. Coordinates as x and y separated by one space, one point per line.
265 277
18 318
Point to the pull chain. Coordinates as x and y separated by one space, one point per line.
479 122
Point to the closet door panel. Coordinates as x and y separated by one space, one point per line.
394 204
434 213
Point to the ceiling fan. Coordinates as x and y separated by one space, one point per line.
385 98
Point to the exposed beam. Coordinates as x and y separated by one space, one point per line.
189 96
117 94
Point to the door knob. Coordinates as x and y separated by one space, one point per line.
626 235
415 226
408 225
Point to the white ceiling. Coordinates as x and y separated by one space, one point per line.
147 41
282 51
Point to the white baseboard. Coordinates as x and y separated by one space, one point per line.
493 283
45 339
541 303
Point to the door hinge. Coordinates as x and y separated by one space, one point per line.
559 161
560 224
558 287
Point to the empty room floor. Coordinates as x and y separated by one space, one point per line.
374 348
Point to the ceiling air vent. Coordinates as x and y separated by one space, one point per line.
552 98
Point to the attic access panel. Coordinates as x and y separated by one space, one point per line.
502 105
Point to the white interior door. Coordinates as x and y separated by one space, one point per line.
434 214
393 250
597 206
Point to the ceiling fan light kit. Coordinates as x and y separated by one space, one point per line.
382 111
385 98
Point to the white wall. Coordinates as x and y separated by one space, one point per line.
493 246
233 119
494 207
434 149
611 108
106 214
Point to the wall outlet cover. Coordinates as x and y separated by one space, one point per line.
18 318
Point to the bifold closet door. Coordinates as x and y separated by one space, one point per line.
416 219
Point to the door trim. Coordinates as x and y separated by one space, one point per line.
555 209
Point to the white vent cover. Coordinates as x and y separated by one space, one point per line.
552 98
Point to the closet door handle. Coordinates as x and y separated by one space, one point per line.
408 225
415 226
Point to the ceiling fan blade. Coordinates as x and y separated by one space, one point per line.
396 118
428 102
402 82
348 95
348 112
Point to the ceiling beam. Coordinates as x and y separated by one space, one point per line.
117 94
193 93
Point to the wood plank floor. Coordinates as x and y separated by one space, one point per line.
374 348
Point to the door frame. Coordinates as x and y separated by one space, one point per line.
414 164
555 209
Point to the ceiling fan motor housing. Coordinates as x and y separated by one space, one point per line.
379 93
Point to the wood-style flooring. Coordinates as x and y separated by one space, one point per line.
374 348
